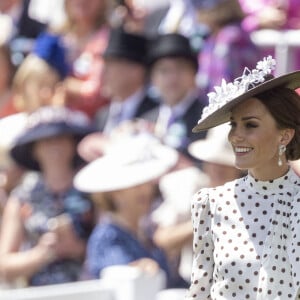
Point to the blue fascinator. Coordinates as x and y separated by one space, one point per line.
49 48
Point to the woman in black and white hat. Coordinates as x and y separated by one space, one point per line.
247 232
47 214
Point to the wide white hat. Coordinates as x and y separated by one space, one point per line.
130 162
215 148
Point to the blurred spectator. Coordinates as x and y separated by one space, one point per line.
175 16
217 156
38 77
174 66
46 221
18 29
283 15
228 49
123 184
172 218
128 14
11 173
125 81
270 14
7 106
85 34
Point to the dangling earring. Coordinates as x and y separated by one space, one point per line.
281 150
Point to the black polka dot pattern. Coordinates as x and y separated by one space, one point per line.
247 240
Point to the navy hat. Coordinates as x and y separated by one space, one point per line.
171 45
49 122
49 48
126 45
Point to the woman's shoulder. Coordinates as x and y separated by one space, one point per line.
107 231
207 193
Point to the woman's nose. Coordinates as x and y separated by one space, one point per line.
235 135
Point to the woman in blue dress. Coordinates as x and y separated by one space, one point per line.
46 221
123 184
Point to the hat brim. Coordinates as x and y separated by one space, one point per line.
22 152
110 173
204 150
223 114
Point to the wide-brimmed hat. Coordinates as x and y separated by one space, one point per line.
130 46
250 84
215 148
133 161
49 122
171 45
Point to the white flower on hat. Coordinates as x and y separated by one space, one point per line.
228 91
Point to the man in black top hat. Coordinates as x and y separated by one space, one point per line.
125 79
125 83
173 66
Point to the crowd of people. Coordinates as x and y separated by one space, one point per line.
101 154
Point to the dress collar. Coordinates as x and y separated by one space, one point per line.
272 186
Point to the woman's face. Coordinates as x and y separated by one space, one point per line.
137 199
55 151
255 139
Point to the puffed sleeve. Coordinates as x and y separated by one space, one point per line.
203 263
294 245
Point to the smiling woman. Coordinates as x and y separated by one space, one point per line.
260 258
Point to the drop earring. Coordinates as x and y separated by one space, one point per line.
281 150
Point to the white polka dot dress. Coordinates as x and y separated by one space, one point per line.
247 240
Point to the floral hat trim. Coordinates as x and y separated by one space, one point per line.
229 91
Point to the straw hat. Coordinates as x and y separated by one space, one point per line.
134 161
215 148
251 83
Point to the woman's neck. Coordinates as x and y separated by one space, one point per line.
130 223
264 174
59 180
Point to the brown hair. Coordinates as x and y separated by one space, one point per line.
284 106
104 201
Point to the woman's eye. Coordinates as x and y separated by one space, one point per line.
251 125
232 124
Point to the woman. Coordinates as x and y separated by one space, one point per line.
39 76
122 184
46 221
246 232
85 35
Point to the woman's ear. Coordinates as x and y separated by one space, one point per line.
287 136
